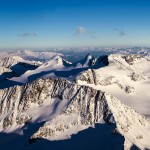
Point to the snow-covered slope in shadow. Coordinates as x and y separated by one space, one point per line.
100 137
15 66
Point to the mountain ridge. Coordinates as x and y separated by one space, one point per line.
101 105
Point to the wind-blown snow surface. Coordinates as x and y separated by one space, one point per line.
65 98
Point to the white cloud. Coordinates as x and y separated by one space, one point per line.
80 30
120 32
28 34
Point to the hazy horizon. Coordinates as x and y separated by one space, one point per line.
68 23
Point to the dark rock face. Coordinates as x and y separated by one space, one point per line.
131 58
89 102
104 60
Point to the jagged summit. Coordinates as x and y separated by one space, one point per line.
89 56
87 61
57 61
61 61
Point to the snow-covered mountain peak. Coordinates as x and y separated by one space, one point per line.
87 61
58 60
89 56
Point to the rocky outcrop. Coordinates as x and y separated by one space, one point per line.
137 77
90 76
131 58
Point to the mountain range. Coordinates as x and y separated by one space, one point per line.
104 100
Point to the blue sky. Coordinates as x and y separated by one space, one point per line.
74 23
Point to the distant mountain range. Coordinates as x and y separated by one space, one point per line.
30 55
